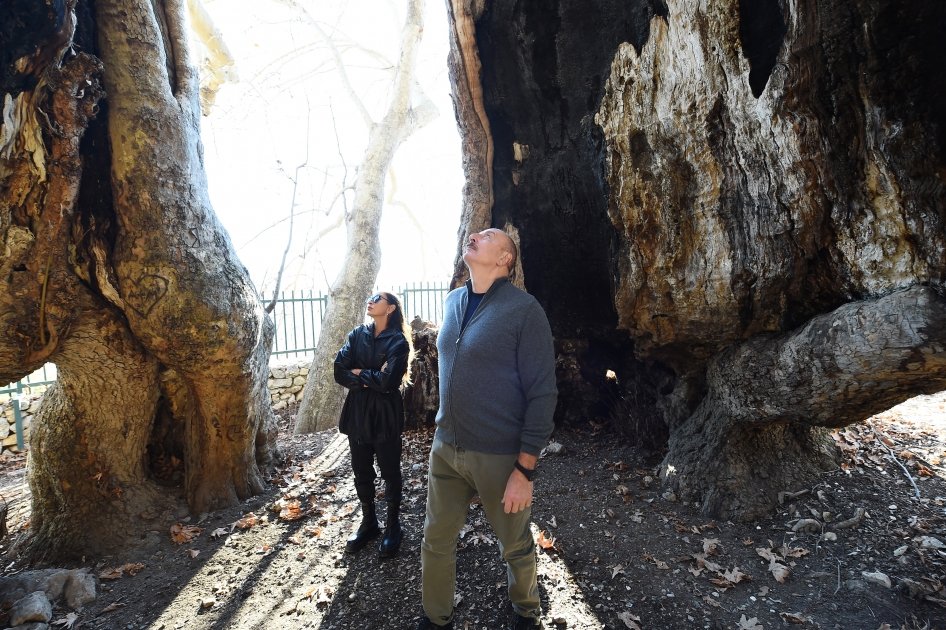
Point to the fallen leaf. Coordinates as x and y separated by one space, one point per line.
181 534
247 521
779 571
220 531
630 620
735 575
112 607
292 511
111 573
68 621
131 568
798 618
749 624
711 546
660 564
616 569
295 540
193 552
543 541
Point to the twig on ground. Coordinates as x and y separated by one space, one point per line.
851 522
839 578
899 463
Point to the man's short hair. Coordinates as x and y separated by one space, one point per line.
513 250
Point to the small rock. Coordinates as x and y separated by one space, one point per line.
899 551
554 448
207 602
928 542
417 467
33 607
829 536
669 495
648 480
877 577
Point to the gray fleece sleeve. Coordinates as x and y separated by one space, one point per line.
536 364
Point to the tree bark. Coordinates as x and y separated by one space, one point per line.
322 397
689 178
115 268
477 149
757 431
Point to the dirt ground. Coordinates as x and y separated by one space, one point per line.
615 551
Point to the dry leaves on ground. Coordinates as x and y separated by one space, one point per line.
181 533
113 573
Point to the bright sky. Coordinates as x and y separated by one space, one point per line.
256 136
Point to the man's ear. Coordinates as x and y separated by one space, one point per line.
504 259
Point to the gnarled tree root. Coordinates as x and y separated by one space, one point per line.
760 427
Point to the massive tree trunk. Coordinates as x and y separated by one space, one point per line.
116 269
322 398
731 205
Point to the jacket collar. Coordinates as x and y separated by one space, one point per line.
498 282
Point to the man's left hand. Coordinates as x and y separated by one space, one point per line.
518 494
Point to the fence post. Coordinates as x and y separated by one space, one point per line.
17 416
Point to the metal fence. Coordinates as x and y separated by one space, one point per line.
298 318
298 315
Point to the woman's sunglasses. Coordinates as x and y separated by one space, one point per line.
377 297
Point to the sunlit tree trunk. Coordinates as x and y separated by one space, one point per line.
322 398
116 269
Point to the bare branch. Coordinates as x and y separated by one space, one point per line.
292 207
337 57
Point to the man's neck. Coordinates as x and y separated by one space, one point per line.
483 281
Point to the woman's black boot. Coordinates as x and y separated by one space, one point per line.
366 531
392 531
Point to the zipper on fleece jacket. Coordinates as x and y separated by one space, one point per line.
479 308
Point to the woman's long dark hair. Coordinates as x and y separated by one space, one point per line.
396 320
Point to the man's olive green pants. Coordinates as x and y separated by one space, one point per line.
454 477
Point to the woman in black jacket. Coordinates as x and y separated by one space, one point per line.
373 364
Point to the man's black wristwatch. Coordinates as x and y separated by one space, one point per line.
528 473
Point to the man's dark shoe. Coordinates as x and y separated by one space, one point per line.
427 624
367 531
525 623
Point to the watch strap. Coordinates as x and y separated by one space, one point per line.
529 473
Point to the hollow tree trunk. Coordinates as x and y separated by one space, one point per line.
690 177
115 268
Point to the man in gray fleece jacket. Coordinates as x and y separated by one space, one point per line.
497 397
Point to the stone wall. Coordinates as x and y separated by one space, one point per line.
286 381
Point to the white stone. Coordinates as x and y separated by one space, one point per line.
278 372
294 389
299 396
279 383
877 577
299 380
33 607
80 589
282 404
928 542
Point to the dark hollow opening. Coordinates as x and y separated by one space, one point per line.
761 31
